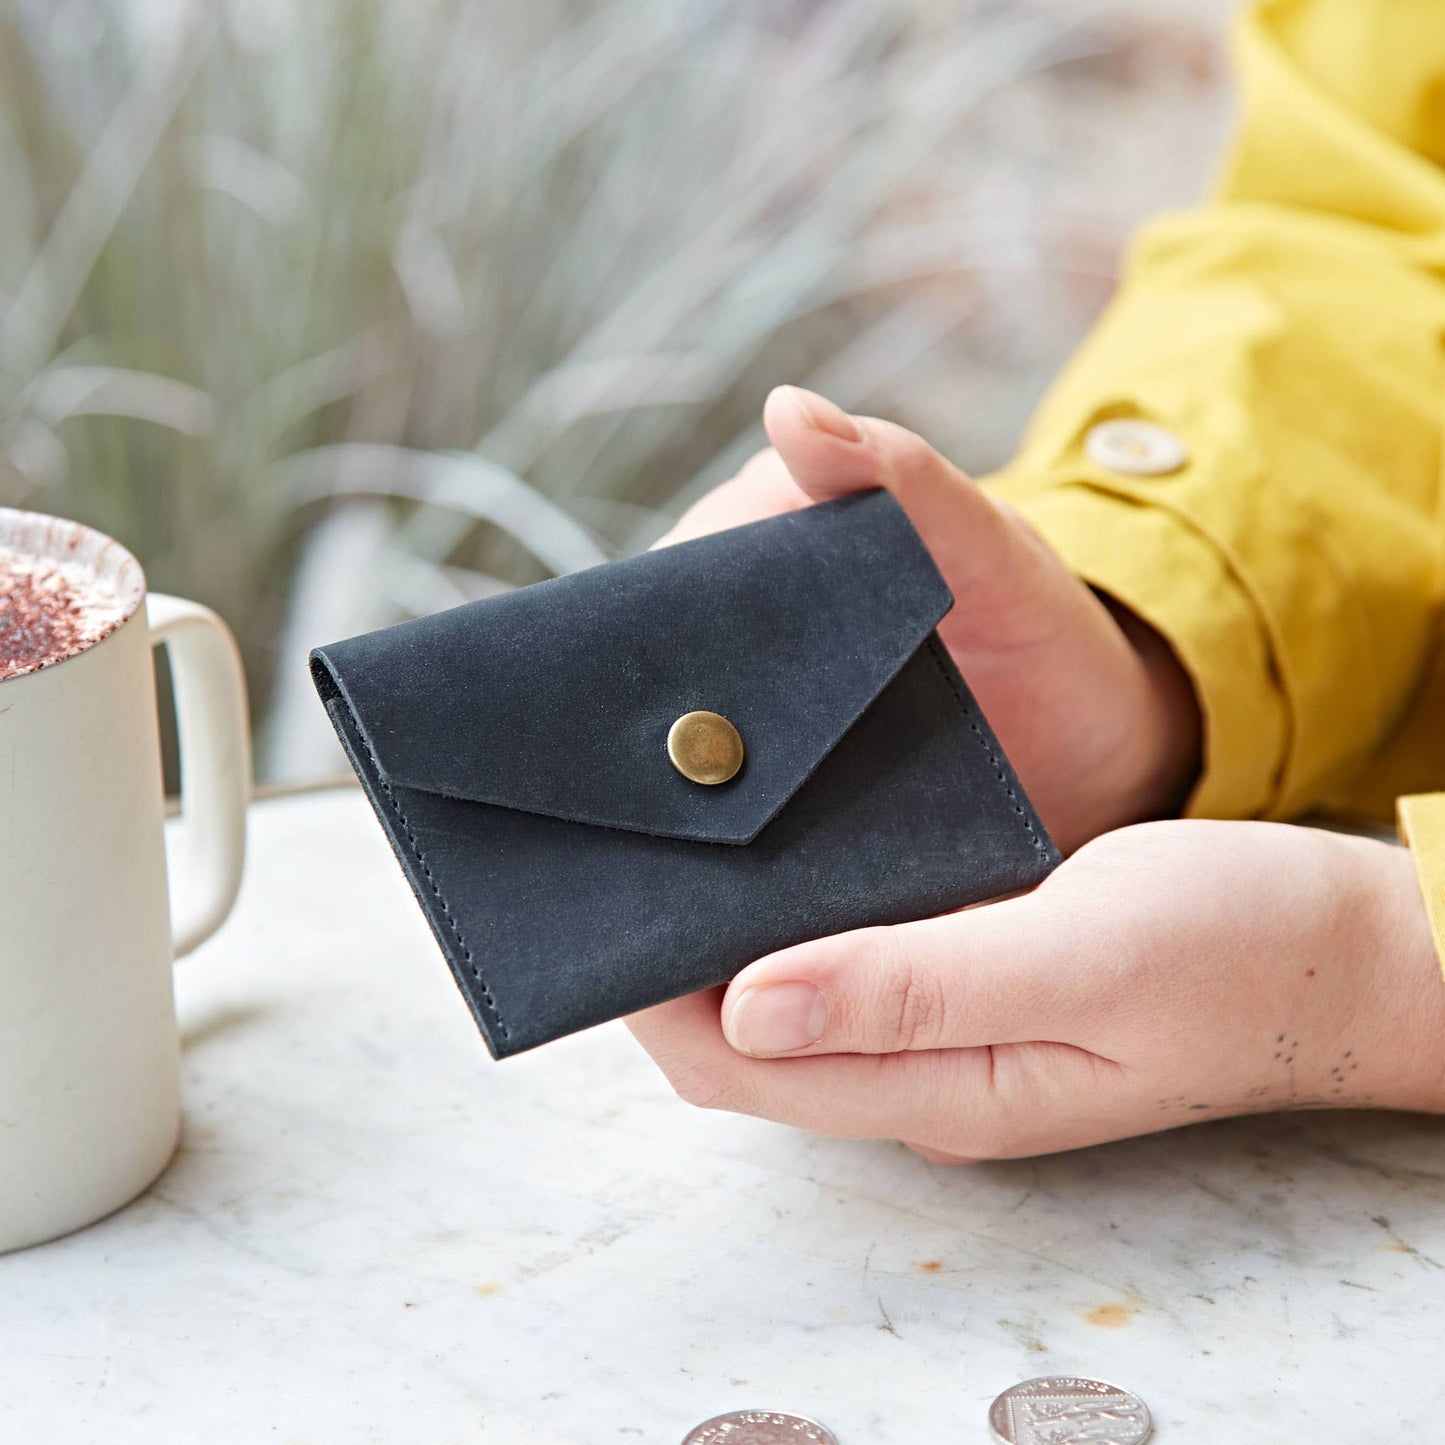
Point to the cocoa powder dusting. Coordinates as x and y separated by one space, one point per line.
45 617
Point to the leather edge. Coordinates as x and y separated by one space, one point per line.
1044 846
404 846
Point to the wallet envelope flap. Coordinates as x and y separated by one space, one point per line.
557 698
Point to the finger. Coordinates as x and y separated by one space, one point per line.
762 488
1004 579
847 1095
679 1032
834 1094
1012 972
953 1106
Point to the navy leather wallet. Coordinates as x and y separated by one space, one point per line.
525 756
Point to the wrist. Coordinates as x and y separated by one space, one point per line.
1171 723
1408 988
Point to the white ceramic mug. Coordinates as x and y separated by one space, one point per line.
89 921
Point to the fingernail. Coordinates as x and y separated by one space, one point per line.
823 414
776 1018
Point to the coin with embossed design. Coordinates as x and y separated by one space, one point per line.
1065 1410
760 1427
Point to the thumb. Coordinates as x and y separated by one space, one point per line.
991 560
1005 973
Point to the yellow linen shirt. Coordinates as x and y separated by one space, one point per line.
1291 333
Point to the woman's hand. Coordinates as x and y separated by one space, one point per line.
1091 705
1167 973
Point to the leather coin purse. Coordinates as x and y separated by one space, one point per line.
623 785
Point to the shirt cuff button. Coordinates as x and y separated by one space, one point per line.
1135 448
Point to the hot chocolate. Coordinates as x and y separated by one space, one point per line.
51 610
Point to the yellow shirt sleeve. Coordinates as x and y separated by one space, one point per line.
1422 829
1291 333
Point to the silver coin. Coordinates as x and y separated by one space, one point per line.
1065 1410
760 1427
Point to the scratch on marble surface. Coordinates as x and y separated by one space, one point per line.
1062 1266
1204 1187
212 1224
986 1241
1027 1334
1402 1246
1405 1174
601 1237
888 1327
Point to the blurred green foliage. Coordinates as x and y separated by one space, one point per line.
344 310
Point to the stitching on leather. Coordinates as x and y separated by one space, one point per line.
487 998
971 714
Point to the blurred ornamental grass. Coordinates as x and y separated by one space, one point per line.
344 311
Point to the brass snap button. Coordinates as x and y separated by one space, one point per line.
705 747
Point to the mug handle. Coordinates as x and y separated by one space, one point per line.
206 854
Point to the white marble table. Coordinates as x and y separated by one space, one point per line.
372 1233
